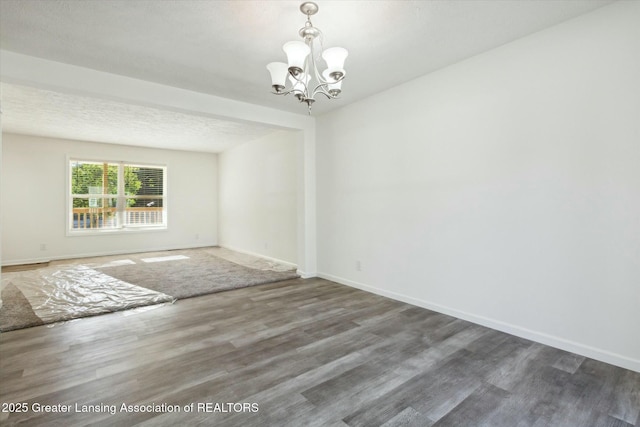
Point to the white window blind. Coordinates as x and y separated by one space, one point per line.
116 195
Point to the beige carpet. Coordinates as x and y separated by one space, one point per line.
65 290
189 273
55 294
16 311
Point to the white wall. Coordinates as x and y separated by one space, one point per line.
34 195
504 189
38 72
258 208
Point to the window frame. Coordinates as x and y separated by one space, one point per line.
121 198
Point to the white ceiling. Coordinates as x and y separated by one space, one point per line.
222 47
67 116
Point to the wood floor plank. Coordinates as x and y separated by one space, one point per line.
625 402
409 418
476 409
308 352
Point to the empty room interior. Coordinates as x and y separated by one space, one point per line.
331 213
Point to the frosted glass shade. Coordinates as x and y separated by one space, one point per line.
335 57
333 88
279 74
297 52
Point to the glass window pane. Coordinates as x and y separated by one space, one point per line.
99 200
144 211
89 217
89 178
143 180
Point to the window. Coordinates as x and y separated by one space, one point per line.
116 195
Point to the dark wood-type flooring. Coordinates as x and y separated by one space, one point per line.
308 353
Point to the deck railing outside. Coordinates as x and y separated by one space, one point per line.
106 217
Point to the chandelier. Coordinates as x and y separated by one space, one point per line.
305 80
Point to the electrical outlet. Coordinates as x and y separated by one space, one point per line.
358 265
43 246
197 236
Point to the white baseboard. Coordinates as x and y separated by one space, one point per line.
25 261
300 273
305 275
540 337
255 254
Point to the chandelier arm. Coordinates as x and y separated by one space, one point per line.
302 84
324 84
299 78
323 92
324 81
287 92
322 88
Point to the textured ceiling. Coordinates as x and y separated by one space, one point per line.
69 116
222 47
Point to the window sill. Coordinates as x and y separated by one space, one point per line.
124 230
